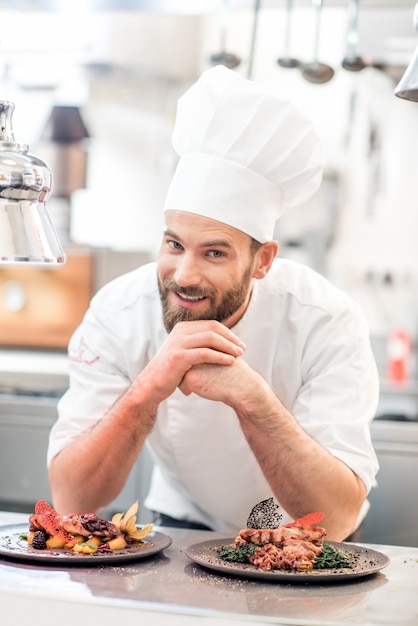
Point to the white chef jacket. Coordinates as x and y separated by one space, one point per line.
306 338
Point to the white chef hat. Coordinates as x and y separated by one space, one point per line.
246 154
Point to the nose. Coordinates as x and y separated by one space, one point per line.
187 273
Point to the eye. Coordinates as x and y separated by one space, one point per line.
174 244
216 253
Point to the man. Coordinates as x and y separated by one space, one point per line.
248 376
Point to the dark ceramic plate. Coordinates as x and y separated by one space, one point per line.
13 547
365 562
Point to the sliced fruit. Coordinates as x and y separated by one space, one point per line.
77 539
29 537
80 538
118 543
141 533
116 519
86 547
71 543
55 542
130 525
96 541
133 510
126 522
129 517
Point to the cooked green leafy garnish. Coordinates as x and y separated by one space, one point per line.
331 558
236 554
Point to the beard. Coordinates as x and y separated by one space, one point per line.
220 311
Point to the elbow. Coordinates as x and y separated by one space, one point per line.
58 488
72 492
66 496
344 520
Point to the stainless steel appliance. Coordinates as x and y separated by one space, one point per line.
33 370
393 514
25 422
31 385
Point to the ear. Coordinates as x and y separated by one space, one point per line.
264 258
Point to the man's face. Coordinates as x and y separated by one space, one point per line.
205 270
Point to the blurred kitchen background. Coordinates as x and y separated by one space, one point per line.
95 86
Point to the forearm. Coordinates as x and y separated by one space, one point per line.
304 476
91 471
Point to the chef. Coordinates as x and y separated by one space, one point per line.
248 376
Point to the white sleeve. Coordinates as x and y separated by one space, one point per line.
339 395
97 378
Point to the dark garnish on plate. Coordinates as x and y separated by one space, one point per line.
332 558
237 554
265 514
39 540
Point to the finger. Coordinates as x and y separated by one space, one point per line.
200 356
183 361
184 388
214 342
209 329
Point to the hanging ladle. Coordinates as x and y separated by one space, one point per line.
352 61
256 11
316 72
286 60
223 57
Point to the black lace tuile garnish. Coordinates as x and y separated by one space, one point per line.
265 514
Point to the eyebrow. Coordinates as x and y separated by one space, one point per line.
216 243
212 243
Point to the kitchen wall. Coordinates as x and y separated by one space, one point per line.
367 134
126 69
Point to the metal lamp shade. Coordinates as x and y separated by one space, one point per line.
408 85
27 234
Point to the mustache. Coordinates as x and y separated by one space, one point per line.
194 292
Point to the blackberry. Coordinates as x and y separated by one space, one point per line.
39 540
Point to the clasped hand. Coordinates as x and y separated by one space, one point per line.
195 357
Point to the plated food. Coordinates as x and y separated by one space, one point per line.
365 563
14 546
294 551
295 546
83 533
80 539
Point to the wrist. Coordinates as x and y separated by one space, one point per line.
264 412
136 402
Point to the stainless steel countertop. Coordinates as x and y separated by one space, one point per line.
169 588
